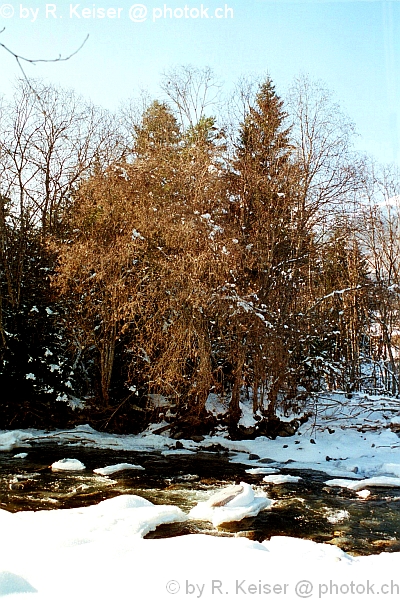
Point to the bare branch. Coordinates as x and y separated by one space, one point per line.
34 61
18 57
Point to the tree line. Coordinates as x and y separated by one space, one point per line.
187 246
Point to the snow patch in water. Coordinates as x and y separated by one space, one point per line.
68 464
233 503
111 469
281 479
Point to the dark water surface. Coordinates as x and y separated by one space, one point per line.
307 509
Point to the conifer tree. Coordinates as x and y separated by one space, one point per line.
264 185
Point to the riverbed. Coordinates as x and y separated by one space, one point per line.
306 509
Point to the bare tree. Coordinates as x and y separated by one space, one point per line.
322 136
379 233
130 114
49 139
192 92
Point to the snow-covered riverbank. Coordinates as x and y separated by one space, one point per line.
353 438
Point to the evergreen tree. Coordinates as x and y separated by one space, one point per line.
265 192
157 131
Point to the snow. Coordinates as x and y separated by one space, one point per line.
68 464
363 494
78 552
391 482
392 468
136 235
10 583
14 439
99 552
244 503
353 439
215 405
262 471
126 514
111 469
280 479
247 418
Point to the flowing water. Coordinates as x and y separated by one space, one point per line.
307 509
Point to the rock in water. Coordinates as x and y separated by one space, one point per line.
68 464
233 503
224 496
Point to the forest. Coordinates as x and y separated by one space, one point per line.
199 243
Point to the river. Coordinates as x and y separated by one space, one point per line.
307 509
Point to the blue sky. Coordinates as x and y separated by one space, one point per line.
353 47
